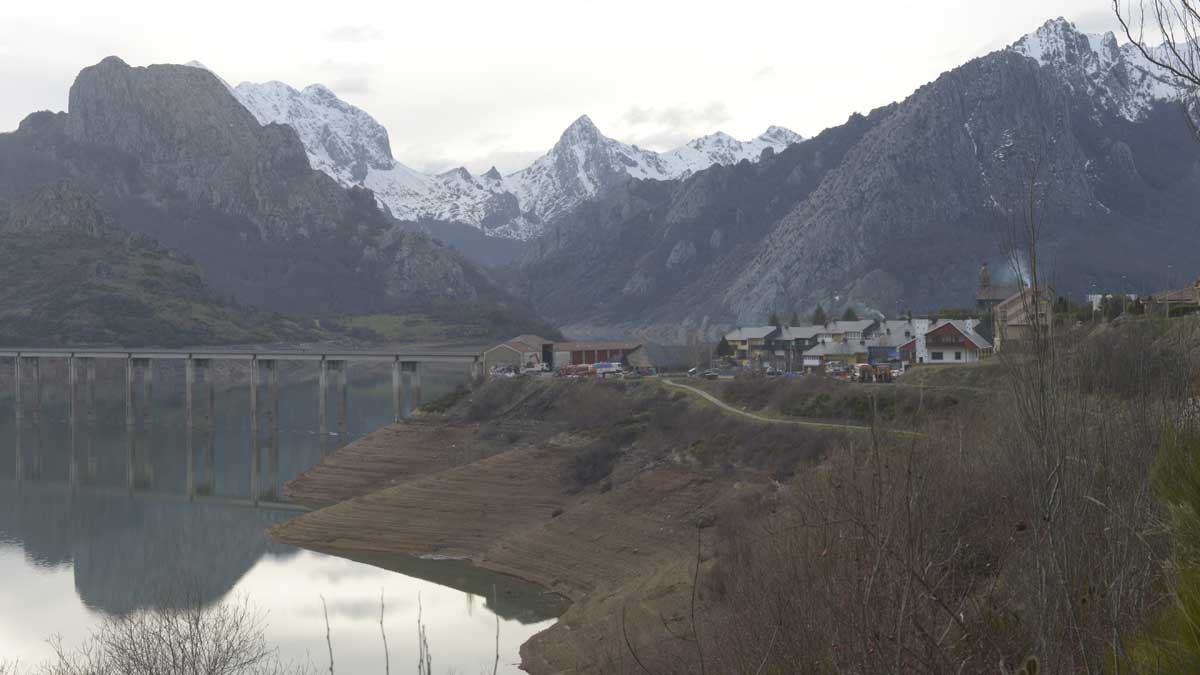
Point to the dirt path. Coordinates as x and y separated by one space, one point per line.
759 418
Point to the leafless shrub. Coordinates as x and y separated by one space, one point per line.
225 639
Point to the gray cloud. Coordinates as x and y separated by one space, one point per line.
663 139
672 126
1096 21
351 85
764 73
354 34
715 112
490 137
637 115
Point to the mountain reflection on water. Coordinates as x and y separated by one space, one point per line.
68 557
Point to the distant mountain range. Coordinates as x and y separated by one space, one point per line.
352 147
290 200
896 209
167 153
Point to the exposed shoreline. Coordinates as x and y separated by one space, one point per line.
621 551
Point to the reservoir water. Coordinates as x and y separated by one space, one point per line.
70 557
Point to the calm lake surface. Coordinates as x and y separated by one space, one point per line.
69 558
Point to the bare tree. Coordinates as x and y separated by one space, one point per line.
225 639
1176 23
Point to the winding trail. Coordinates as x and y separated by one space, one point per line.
759 418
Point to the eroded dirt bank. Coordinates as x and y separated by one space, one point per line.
596 492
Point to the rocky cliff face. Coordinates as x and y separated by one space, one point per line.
896 210
168 151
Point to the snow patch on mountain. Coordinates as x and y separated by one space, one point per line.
585 161
341 139
1119 77
352 147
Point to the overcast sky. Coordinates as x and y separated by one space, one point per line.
480 82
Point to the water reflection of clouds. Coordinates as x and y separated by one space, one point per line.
461 629
45 604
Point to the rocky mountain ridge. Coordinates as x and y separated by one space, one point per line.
896 210
349 145
167 152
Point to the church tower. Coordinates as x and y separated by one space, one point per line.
985 277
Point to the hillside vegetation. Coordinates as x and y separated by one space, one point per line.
71 276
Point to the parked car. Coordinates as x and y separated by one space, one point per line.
711 375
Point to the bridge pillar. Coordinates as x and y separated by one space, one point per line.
147 419
72 382
18 412
210 426
397 395
189 377
254 430
90 397
273 429
341 394
37 415
130 428
322 404
416 385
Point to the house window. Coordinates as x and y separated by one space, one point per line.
958 356
936 356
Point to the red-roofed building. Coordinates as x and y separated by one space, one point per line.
589 353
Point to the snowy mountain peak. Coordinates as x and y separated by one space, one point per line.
458 173
776 135
1118 77
321 92
348 144
582 130
340 139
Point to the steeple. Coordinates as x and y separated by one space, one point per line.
985 277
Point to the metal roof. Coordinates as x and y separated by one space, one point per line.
839 327
800 332
751 333
589 346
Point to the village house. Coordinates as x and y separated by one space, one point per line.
531 351
824 355
752 346
953 342
523 351
840 331
789 343
1166 303
1014 319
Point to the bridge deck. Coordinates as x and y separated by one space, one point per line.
147 494
242 355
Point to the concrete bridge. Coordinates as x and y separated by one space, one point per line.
139 365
